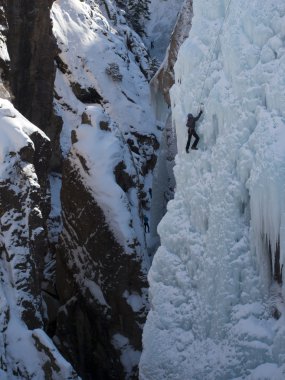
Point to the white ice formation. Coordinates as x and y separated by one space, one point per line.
215 282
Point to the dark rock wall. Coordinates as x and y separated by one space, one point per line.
93 273
4 65
32 69
23 213
164 78
89 254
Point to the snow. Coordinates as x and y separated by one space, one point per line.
96 292
130 357
76 29
134 300
268 371
97 134
24 352
103 151
21 347
54 221
15 130
211 283
89 44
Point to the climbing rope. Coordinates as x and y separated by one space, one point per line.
211 52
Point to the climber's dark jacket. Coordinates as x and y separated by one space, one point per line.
191 120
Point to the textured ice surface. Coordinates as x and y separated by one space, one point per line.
211 281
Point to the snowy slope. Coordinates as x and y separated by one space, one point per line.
109 141
217 298
89 45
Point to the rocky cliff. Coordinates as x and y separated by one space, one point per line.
101 286
86 261
25 349
75 261
164 78
32 48
109 142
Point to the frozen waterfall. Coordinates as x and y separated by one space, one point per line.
216 280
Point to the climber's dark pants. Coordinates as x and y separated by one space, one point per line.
146 227
191 133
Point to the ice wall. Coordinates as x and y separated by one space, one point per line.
216 293
163 183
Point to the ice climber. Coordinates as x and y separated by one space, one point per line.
146 225
191 121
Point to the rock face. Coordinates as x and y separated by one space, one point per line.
32 48
164 78
94 303
23 214
26 351
109 142
24 200
98 327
